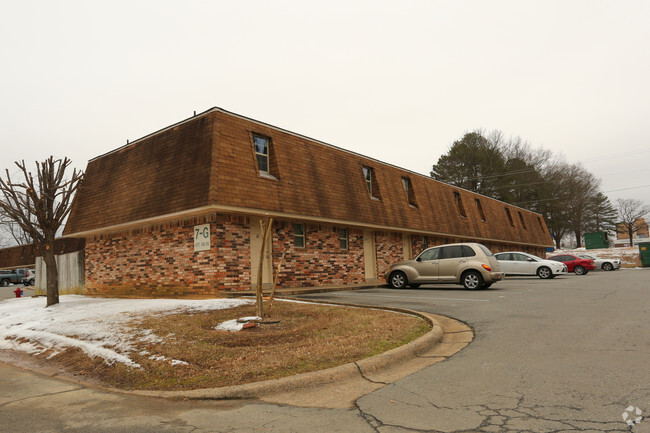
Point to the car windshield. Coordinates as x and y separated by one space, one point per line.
585 256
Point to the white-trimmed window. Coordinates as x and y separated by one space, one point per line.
371 182
367 174
262 145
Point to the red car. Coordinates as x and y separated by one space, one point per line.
575 264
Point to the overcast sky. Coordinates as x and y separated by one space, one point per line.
398 81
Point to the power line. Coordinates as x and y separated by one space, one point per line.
564 198
626 189
617 155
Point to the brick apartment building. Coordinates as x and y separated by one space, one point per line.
623 237
339 217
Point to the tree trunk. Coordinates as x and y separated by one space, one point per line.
578 234
631 232
52 276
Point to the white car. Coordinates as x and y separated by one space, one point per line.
604 264
518 263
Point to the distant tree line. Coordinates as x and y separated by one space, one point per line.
511 170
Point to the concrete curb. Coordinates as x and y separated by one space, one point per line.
337 387
342 373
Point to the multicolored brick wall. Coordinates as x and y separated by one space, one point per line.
420 243
161 261
322 261
390 250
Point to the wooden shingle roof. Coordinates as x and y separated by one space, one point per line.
208 162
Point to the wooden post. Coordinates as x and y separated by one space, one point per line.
265 225
275 280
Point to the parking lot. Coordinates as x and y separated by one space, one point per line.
567 354
561 354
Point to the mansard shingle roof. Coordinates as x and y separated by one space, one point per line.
208 162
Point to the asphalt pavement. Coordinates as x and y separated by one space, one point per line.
8 292
568 354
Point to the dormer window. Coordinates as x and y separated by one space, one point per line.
521 219
368 175
512 223
371 182
408 189
459 204
262 145
479 207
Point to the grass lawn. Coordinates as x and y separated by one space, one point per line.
192 354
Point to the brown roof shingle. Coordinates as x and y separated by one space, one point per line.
210 160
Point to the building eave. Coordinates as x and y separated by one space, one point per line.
210 209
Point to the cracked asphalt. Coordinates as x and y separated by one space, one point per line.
565 355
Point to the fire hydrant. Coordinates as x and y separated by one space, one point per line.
18 292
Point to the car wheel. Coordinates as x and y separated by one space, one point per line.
414 286
544 273
398 280
4 283
472 280
607 266
579 270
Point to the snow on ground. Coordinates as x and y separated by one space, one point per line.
629 256
95 325
235 324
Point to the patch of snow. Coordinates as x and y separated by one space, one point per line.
158 358
235 325
97 326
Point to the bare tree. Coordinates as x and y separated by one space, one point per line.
17 236
583 188
630 211
40 206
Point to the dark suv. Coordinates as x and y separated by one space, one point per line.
16 276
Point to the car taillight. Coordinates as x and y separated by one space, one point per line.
487 268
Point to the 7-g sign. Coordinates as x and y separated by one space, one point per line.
202 237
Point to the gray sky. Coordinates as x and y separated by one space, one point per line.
397 81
